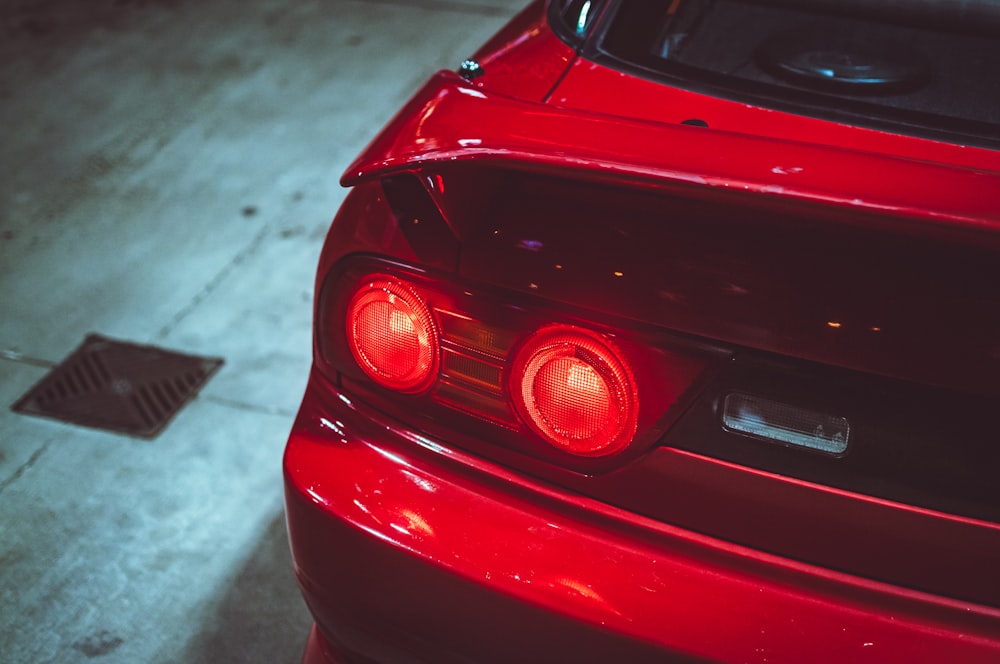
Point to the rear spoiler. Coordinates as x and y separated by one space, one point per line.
450 120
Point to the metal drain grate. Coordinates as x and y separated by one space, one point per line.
118 386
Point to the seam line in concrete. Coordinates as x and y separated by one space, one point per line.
214 282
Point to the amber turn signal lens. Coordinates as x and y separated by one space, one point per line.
573 388
392 335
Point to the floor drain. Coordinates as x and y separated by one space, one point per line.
118 386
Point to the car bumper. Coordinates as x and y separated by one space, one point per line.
410 551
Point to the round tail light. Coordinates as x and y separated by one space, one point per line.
573 388
391 334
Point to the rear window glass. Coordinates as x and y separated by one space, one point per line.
925 65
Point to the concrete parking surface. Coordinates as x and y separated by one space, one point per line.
168 170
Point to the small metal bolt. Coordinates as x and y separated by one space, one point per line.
470 69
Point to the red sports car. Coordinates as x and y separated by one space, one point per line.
667 331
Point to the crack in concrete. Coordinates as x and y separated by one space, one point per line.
25 467
21 358
249 407
214 283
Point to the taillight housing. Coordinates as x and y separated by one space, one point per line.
575 390
504 373
392 335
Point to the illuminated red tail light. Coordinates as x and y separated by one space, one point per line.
466 365
391 334
573 389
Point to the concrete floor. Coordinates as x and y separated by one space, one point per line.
168 169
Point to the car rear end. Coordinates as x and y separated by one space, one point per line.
605 388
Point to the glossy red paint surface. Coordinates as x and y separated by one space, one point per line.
525 59
863 254
370 505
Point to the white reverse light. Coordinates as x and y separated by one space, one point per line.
784 423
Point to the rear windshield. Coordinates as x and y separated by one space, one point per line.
921 66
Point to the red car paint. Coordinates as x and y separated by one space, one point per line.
416 540
524 59
587 86
422 533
